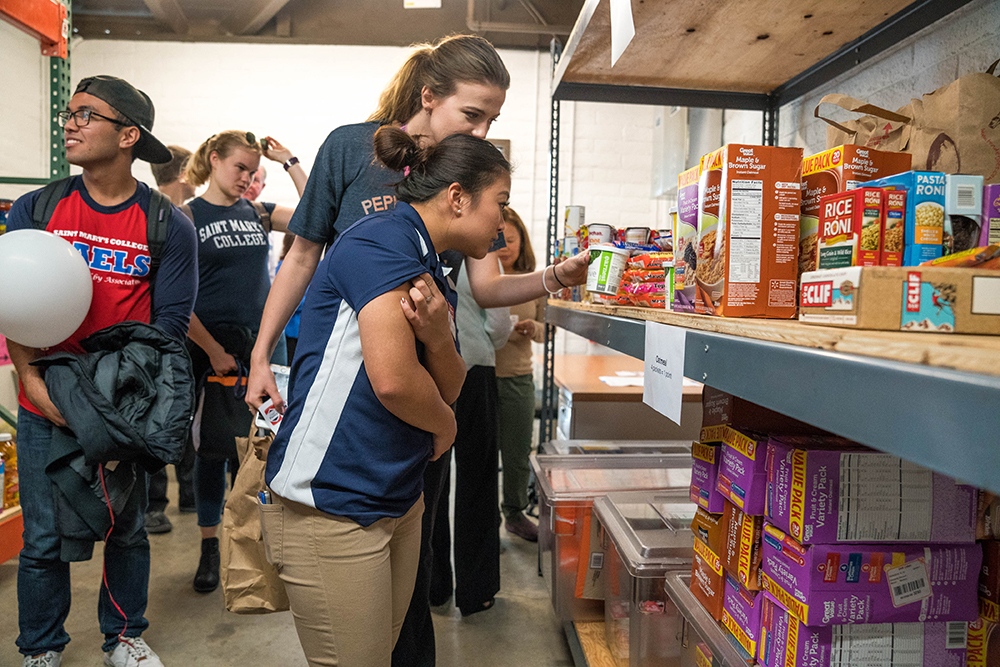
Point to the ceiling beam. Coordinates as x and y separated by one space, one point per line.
169 13
251 15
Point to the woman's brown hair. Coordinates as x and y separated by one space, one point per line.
439 67
525 262
199 168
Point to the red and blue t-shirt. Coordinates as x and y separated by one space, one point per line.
113 241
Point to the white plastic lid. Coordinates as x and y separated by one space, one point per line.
6 437
610 248
652 536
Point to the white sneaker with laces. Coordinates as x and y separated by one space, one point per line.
132 652
47 659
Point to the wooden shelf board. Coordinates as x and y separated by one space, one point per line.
9 514
724 52
595 648
973 354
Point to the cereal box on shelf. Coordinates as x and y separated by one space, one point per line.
741 614
925 195
748 223
786 642
722 409
825 584
743 474
705 461
850 229
923 299
686 240
821 494
707 576
838 170
741 534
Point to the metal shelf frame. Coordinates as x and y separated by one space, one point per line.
939 418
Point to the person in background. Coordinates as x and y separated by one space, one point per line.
257 186
232 264
107 125
376 369
477 513
292 328
169 181
515 382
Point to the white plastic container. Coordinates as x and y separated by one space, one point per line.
567 535
599 233
703 642
607 264
637 234
641 543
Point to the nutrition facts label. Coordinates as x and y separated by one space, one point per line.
746 209
899 645
883 499
744 260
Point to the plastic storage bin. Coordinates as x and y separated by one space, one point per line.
604 447
567 537
641 542
703 642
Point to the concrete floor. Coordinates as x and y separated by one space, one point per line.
190 629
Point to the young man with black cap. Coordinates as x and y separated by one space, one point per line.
103 213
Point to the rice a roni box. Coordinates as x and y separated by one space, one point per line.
786 642
850 229
893 227
925 198
743 474
705 461
899 298
748 220
822 495
741 614
686 240
741 556
838 170
823 584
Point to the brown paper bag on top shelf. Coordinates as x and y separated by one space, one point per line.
955 129
250 583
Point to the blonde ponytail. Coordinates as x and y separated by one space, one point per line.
199 166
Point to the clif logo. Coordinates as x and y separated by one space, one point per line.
913 292
817 295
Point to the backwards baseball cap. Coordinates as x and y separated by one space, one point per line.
135 106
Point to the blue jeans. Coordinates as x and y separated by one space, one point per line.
43 583
210 488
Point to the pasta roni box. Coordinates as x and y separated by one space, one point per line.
786 642
934 299
925 198
705 460
821 495
707 579
743 473
825 584
748 225
741 615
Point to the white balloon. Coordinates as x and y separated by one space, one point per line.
46 288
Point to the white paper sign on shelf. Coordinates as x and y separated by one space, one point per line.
622 28
664 387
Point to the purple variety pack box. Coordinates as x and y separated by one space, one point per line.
741 614
900 583
990 231
705 460
823 495
743 473
786 642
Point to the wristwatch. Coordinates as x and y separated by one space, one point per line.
292 161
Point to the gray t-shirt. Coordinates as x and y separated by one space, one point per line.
346 183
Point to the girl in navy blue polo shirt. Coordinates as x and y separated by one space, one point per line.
375 371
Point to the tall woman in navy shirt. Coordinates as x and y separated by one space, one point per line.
375 371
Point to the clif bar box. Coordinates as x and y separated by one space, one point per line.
786 642
743 475
705 461
900 583
741 614
823 496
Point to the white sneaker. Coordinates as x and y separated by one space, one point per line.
132 652
47 659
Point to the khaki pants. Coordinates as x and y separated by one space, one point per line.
349 586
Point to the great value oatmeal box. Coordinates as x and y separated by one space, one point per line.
686 240
838 170
741 614
743 474
741 556
819 494
707 576
705 461
823 584
786 642
748 225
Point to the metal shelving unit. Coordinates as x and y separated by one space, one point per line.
938 417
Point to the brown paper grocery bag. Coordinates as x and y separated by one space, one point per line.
250 583
955 129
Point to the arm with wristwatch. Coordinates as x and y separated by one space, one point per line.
277 152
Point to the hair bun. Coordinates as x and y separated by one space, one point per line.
396 149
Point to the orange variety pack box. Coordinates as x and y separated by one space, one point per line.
708 582
850 229
838 170
741 548
748 225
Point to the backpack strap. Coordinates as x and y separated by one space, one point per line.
262 213
46 203
157 220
